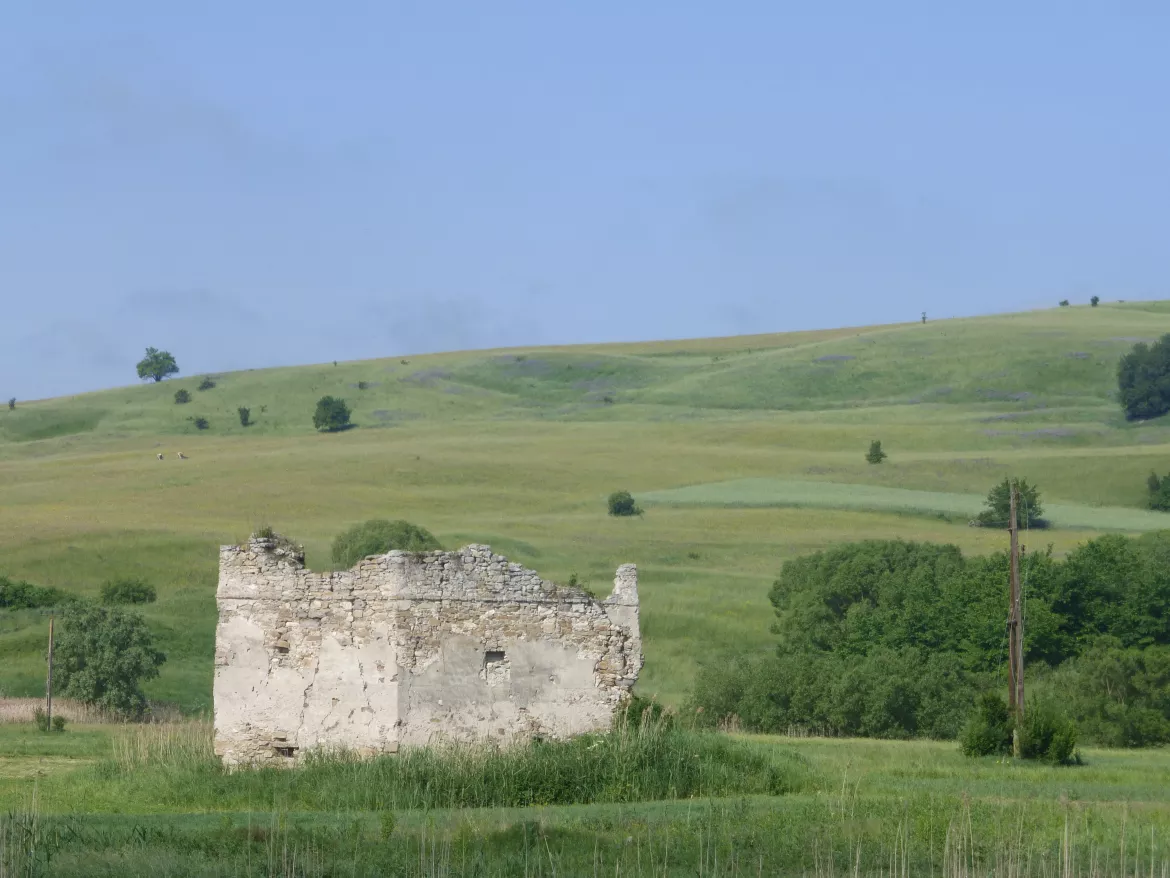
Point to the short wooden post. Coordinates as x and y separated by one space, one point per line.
49 681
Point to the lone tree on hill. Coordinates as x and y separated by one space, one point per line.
1143 379
875 453
245 414
379 536
103 655
621 503
11 403
998 513
332 414
1095 301
157 365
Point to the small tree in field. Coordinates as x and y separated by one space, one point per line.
103 655
245 416
1029 512
875 453
157 365
1095 301
621 503
1143 380
182 396
11 403
332 414
1064 303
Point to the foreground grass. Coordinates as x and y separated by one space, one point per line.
847 808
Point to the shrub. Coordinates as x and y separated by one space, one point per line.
621 503
332 414
1064 303
999 502
41 720
11 403
363 385
58 723
102 657
16 595
989 730
1047 734
875 453
1118 697
379 536
1095 301
1143 380
206 384
1159 492
157 365
182 396
201 423
245 416
128 591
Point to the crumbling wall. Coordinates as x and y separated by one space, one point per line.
407 649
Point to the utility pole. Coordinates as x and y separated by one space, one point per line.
1015 623
49 681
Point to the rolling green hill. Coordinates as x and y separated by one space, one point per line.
744 451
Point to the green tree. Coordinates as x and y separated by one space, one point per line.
245 416
128 591
989 729
875 453
11 403
1064 303
182 396
1095 301
1159 492
621 503
103 655
157 365
999 503
1143 380
332 414
379 536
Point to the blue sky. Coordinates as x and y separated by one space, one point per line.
262 183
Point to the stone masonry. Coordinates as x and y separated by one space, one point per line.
408 649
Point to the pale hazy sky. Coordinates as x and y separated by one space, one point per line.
260 183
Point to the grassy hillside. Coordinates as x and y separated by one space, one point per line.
745 450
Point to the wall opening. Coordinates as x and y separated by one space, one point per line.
492 656
497 670
286 752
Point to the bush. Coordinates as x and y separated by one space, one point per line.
182 396
206 384
621 503
989 730
1064 303
245 416
875 453
58 723
41 720
102 657
201 423
1047 734
1118 697
128 591
379 536
11 403
16 595
1095 301
332 414
999 504
363 385
1159 492
1143 380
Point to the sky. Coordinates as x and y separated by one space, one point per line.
259 184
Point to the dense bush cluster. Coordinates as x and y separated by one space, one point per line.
20 595
128 591
1143 380
377 537
896 639
621 503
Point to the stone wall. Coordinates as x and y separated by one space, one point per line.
408 649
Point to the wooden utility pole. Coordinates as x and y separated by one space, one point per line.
1015 619
49 681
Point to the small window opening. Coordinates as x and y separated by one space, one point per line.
282 647
287 752
493 656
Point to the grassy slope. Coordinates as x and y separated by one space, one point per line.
519 448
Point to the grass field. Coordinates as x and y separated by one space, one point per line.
745 451
125 801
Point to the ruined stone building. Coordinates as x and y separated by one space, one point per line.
408 649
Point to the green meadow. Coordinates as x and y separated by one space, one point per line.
743 452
